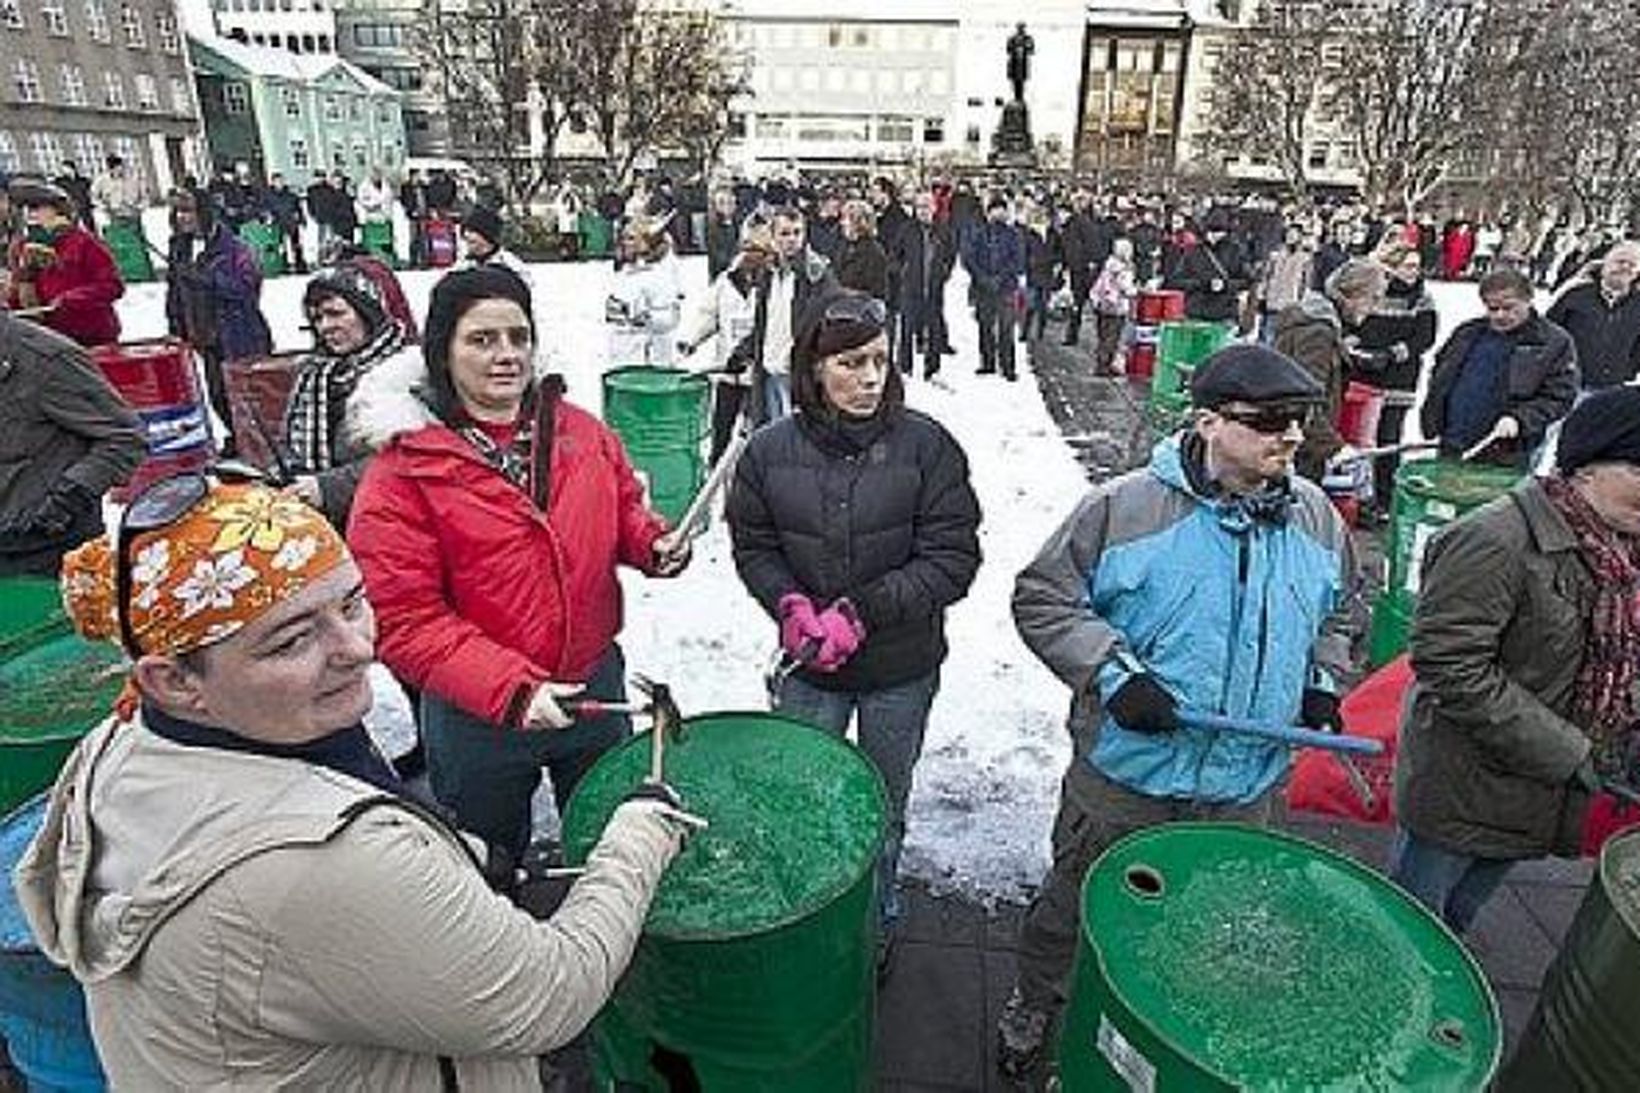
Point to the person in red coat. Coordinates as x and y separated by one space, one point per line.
489 529
60 274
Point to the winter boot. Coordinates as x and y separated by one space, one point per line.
1022 1038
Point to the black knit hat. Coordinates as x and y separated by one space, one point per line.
1252 373
485 221
350 284
453 296
836 322
1604 428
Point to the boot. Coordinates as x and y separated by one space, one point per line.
1022 1038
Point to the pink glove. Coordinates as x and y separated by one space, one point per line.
801 635
843 634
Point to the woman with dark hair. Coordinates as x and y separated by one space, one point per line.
489 529
854 525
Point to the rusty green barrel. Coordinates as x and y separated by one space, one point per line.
1220 957
660 416
755 973
1585 1033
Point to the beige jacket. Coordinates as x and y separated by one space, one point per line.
248 922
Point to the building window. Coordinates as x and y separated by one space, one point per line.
88 151
361 156
131 22
862 37
307 43
147 92
338 157
1317 159
893 130
165 29
293 102
355 110
298 154
48 154
113 91
73 81
181 102
54 18
384 113
235 99
26 78
126 149
834 37
96 20
324 43
933 131
333 108
11 14
10 161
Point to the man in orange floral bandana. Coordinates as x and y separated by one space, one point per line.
234 873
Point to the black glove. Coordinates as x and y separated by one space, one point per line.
1143 705
656 791
1320 710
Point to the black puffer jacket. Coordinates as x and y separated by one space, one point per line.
880 512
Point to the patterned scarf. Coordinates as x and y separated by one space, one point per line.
1603 701
526 460
323 382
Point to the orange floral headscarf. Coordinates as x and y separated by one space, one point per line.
237 554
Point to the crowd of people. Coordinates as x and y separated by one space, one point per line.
243 883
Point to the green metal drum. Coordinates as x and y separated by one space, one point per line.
1182 346
1429 494
1221 956
755 973
31 612
51 694
130 250
267 243
660 416
597 238
377 238
1583 1034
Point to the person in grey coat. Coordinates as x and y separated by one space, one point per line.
1526 649
66 438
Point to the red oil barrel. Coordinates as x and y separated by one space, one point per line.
439 241
157 380
258 392
1156 308
1358 414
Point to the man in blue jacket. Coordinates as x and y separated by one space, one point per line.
1214 580
994 255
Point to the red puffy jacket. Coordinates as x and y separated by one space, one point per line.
480 596
81 285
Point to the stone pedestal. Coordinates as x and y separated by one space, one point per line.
1011 144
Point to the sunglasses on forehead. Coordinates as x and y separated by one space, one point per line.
1271 420
159 506
856 309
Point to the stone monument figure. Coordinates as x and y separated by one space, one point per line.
1020 48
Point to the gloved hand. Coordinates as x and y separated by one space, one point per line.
669 803
801 634
1320 710
1143 705
545 711
844 632
1586 776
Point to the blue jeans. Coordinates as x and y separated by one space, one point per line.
486 774
891 725
777 396
1452 884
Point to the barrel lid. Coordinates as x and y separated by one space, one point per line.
649 379
1276 963
1620 876
57 689
1465 485
17 829
797 818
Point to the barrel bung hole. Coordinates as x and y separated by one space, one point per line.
1143 881
1449 1034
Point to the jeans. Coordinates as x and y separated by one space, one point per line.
891 725
1452 884
777 397
994 312
487 773
922 320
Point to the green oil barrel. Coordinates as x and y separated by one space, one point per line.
130 250
595 233
660 416
1182 346
377 238
1391 628
31 612
51 694
1221 957
268 245
755 972
1583 1033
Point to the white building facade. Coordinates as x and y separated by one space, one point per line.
300 26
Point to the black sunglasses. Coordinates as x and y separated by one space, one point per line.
856 309
1271 420
160 505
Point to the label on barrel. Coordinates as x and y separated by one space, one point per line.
1421 535
1129 1063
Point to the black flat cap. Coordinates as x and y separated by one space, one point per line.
1252 373
1604 428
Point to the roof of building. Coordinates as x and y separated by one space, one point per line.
282 64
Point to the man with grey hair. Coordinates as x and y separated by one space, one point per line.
1602 314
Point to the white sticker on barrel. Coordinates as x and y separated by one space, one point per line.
1129 1063
1421 535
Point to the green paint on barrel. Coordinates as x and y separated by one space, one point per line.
660 416
377 238
1219 956
31 612
1181 347
756 967
50 696
1582 1035
130 250
1429 495
267 243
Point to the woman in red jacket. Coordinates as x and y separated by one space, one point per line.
59 272
489 529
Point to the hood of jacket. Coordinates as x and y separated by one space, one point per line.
390 400
138 825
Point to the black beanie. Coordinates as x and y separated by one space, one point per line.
453 296
484 221
1252 373
1604 428
350 284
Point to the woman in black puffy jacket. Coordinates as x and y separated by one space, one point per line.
855 526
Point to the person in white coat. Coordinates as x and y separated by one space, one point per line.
725 315
645 299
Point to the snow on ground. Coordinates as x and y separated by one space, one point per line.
988 781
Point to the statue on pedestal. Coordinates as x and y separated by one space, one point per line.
1011 144
1020 48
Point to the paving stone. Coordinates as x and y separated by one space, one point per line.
930 1016
1509 943
1562 871
999 983
1002 926
940 920
1552 906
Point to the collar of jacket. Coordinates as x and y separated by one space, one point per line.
1545 524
